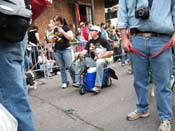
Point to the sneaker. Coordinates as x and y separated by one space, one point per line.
165 126
96 89
136 115
64 85
130 71
76 85
172 81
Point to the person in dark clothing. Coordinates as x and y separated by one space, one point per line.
33 37
99 53
63 51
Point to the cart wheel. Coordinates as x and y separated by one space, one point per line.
108 81
82 91
67 83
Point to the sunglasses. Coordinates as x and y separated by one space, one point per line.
94 30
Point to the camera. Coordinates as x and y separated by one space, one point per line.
142 13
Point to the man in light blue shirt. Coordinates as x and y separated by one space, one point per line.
150 32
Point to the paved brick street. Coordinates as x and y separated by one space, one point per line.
57 109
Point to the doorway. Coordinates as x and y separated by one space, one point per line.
85 13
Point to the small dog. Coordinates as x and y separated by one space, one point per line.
30 79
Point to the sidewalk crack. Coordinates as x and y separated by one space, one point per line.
69 113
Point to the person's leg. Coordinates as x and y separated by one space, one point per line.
13 91
68 59
100 64
61 64
140 66
162 69
123 57
77 68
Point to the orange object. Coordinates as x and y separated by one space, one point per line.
39 6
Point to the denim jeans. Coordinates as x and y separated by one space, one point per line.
89 62
173 68
124 57
161 68
64 59
13 91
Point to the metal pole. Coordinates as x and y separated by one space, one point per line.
92 2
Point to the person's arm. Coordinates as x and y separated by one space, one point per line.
105 55
37 37
109 50
123 24
77 54
126 43
68 35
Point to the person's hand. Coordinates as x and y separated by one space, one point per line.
99 56
126 44
76 55
172 40
60 30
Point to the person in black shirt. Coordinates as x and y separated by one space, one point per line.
34 40
100 51
63 51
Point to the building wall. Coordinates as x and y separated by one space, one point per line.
66 9
99 11
59 7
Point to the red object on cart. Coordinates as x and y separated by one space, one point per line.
39 6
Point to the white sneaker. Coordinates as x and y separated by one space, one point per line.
64 85
96 89
122 65
172 81
165 126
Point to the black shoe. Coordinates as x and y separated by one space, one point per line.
76 85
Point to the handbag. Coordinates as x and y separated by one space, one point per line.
14 20
7 121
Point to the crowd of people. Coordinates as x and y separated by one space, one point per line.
146 44
75 40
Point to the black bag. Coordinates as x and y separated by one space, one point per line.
14 20
12 28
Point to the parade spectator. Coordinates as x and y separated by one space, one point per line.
49 43
45 64
88 25
84 31
104 33
148 36
33 37
63 51
99 53
48 35
81 40
73 28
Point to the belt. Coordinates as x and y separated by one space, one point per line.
136 32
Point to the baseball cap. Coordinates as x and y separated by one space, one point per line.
96 28
81 23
